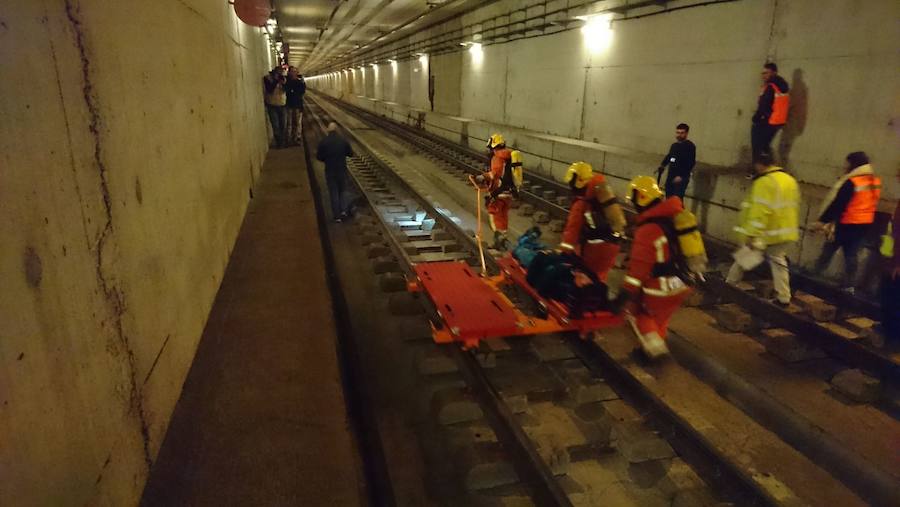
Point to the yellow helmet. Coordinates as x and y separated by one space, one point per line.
495 140
644 191
581 171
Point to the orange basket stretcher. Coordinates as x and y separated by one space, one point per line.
474 308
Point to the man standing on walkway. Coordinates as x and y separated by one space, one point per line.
847 214
768 224
680 160
333 150
294 89
273 89
771 110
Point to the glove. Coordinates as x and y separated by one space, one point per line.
758 244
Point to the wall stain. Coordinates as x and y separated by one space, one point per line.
34 270
138 192
111 291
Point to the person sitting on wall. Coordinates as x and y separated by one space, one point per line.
771 110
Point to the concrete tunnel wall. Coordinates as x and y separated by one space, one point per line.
617 108
131 132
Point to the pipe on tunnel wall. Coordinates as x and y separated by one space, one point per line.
617 107
131 133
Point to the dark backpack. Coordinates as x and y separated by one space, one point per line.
553 276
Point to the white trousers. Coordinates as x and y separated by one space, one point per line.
781 278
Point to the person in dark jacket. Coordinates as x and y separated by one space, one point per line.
294 88
333 150
889 291
680 160
771 110
847 215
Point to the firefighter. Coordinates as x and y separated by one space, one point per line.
652 280
847 216
596 223
502 183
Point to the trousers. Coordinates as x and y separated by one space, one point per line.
498 211
336 182
781 277
654 312
294 118
276 118
889 296
679 188
849 238
761 135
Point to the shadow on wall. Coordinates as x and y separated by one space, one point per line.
797 114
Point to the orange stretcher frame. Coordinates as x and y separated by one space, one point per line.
473 307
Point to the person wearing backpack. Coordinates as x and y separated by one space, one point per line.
659 271
596 224
502 183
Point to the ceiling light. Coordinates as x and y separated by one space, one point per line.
597 31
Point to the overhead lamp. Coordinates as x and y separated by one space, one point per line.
597 31
423 58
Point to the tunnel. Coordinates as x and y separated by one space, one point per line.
286 252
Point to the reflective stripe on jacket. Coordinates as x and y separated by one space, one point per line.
864 203
770 211
649 248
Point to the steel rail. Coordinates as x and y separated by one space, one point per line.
532 469
847 351
694 447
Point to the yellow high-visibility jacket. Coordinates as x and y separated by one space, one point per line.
770 210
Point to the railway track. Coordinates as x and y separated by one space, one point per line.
688 441
830 320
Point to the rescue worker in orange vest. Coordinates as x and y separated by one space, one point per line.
596 223
847 215
501 187
651 281
771 110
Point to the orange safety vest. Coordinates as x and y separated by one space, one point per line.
864 203
779 105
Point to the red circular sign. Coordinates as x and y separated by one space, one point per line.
253 12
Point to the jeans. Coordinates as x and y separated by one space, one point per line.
889 295
781 276
679 188
761 135
277 119
294 118
849 238
336 181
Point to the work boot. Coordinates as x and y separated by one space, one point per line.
500 242
652 344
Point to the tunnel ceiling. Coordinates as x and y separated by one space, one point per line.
322 32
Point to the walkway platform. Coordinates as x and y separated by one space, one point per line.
262 418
